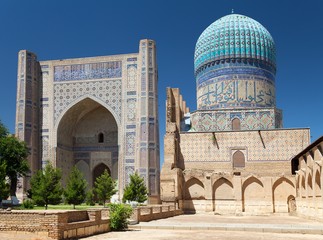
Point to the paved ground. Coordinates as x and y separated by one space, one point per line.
211 227
148 234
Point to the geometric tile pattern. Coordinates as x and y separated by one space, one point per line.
109 91
280 145
221 120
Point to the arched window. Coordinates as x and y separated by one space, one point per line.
101 138
238 159
236 124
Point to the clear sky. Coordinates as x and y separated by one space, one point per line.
77 28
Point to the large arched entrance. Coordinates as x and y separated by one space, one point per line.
87 136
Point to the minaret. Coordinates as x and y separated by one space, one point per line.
27 112
148 143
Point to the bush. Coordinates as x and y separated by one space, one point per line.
28 204
119 214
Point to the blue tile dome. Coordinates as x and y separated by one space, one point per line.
232 37
235 65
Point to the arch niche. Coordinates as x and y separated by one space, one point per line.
87 136
283 191
194 195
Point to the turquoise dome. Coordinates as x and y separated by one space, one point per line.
234 37
235 65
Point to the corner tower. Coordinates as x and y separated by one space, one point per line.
235 67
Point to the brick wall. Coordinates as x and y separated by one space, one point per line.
55 224
149 213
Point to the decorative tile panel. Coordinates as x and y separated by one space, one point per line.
108 91
88 71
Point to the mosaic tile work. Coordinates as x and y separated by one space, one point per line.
280 145
235 90
235 65
221 120
108 91
234 36
88 71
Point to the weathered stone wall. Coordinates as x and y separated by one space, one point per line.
307 166
55 224
265 152
245 172
149 213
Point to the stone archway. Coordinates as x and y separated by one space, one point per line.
253 195
194 195
87 132
99 170
282 189
222 195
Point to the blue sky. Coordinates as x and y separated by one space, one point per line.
69 29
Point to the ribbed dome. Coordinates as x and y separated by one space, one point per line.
234 37
235 65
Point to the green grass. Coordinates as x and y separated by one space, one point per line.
65 207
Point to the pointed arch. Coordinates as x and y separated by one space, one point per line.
238 159
236 124
281 190
222 189
194 189
309 185
78 137
252 193
317 184
99 170
80 99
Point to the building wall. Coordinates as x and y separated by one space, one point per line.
228 171
309 178
222 120
55 225
266 152
71 89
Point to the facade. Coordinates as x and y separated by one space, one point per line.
307 167
95 113
231 155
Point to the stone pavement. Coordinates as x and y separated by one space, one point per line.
210 227
207 221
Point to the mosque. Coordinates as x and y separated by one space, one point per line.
230 156
95 113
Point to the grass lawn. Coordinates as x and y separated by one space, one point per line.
65 207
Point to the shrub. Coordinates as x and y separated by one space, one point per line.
28 204
119 214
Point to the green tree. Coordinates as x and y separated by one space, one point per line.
46 186
105 187
89 200
14 153
136 190
4 187
3 130
75 191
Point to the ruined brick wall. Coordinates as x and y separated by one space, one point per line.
55 224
